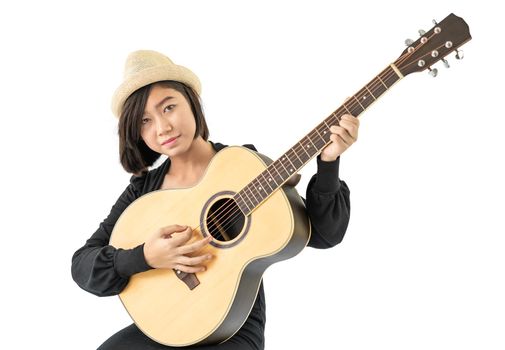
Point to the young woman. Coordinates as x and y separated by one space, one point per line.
159 111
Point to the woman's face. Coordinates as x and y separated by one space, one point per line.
167 114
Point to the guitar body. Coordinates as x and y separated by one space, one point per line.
174 313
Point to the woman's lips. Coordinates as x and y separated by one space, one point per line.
169 141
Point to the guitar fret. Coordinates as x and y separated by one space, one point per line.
248 199
287 172
257 194
311 143
346 108
243 208
325 136
358 102
357 111
301 161
319 140
242 201
322 138
295 161
370 92
379 90
267 189
382 82
304 150
289 159
267 182
275 167
363 97
248 187
259 187
392 78
262 186
272 177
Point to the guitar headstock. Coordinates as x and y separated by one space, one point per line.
433 45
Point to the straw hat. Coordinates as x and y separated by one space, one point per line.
144 67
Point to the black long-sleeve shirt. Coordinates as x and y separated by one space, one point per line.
103 270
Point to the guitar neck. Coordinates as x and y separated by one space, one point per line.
279 171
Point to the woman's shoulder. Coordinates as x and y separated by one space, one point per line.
137 181
250 146
219 146
149 180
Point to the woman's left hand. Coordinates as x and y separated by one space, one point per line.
342 136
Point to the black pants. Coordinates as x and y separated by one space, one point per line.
132 338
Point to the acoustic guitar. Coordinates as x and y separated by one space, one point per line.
255 219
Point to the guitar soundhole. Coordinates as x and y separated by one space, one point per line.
225 220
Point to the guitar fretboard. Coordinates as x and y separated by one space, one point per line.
279 171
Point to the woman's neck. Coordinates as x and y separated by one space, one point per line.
192 162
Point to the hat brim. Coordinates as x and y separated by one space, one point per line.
149 76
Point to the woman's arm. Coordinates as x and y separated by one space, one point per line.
98 267
328 205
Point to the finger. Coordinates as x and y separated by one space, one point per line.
343 135
341 141
342 131
347 116
180 238
350 123
195 260
350 127
337 139
195 246
168 230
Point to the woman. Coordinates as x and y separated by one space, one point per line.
160 113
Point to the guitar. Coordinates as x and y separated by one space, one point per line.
244 201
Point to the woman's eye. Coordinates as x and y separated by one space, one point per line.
168 107
145 120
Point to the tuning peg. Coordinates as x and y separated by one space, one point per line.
409 42
421 32
433 72
459 54
446 63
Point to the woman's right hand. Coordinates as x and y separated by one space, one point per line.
167 249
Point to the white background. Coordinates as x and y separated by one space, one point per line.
422 263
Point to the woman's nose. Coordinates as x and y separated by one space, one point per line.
163 125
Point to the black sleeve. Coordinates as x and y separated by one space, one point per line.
98 267
328 205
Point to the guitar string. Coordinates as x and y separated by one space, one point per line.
373 84
388 75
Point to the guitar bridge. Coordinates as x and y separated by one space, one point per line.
189 279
